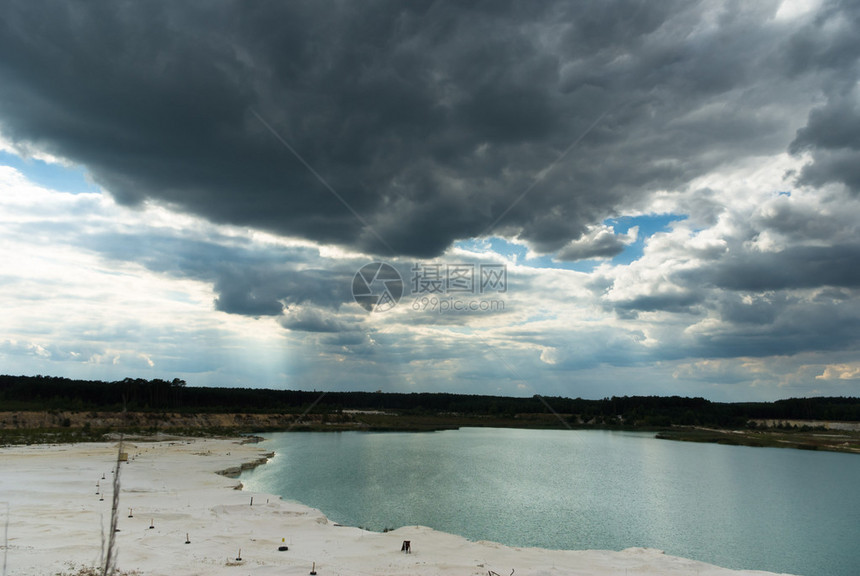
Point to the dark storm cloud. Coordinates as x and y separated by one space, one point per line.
797 267
247 280
429 119
683 302
307 319
832 138
761 309
718 283
832 134
797 327
603 244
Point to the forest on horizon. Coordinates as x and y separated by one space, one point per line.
23 393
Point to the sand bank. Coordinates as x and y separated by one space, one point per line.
56 522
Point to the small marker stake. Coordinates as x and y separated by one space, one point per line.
151 524
187 540
129 513
252 500
239 556
283 546
314 569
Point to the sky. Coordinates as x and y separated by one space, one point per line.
579 199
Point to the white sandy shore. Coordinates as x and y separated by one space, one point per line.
56 520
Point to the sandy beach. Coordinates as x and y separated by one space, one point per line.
171 488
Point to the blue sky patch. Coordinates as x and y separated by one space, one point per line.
648 226
54 176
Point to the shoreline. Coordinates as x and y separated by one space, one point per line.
56 518
23 428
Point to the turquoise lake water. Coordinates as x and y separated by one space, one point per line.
773 509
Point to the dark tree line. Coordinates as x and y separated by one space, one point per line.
47 392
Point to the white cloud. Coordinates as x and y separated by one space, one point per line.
794 9
840 372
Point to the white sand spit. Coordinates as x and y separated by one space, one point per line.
56 521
